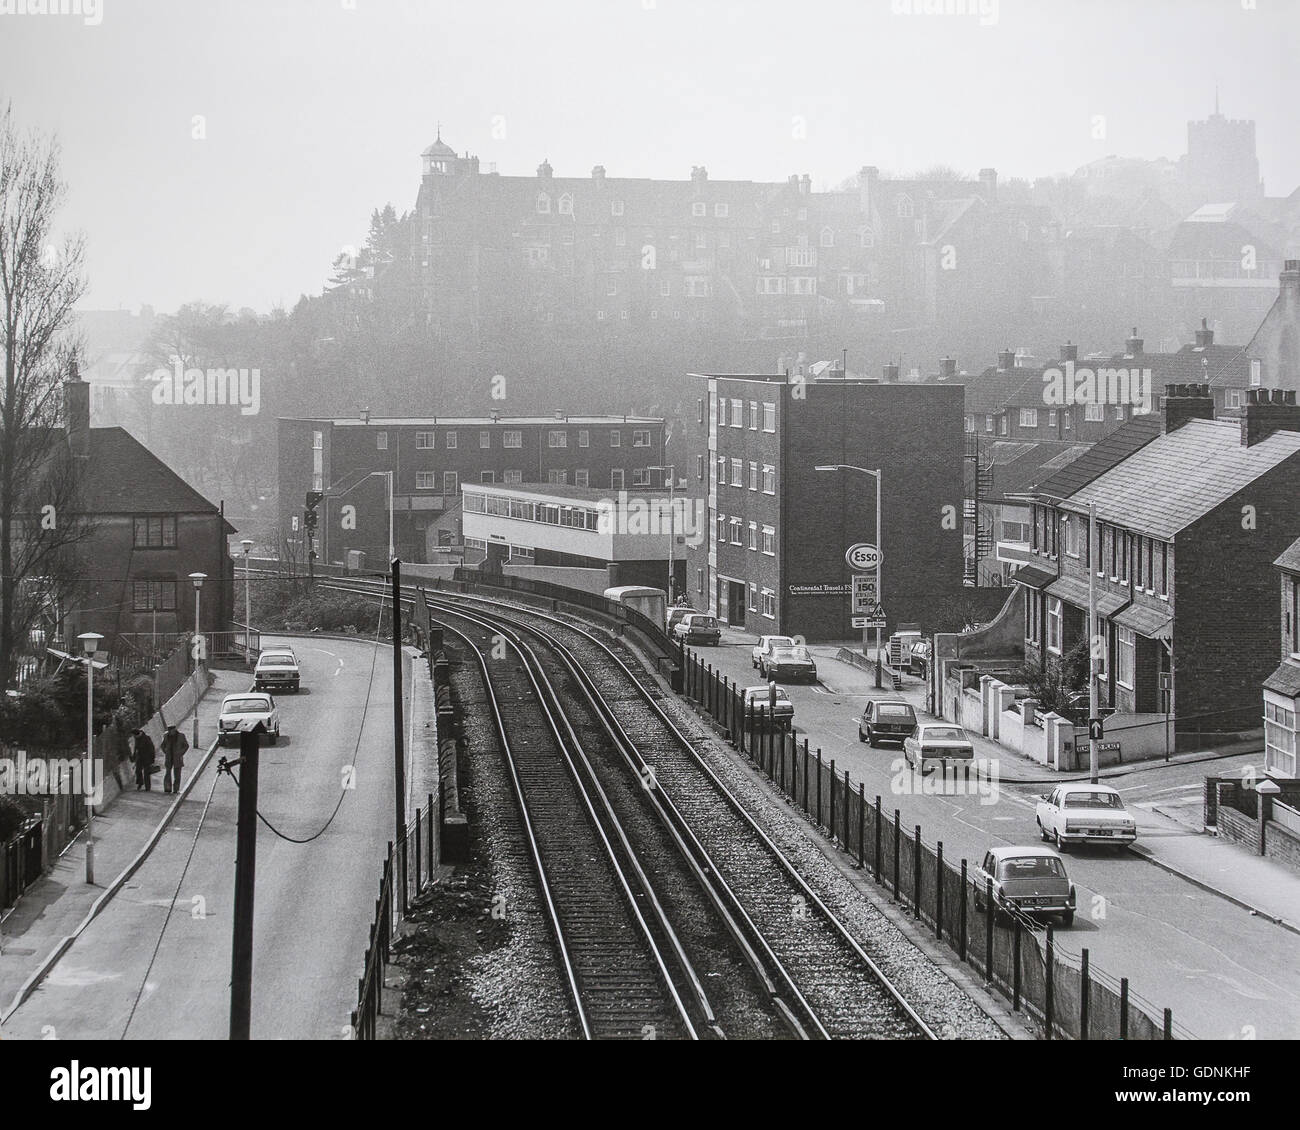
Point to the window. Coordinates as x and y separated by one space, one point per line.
769 604
722 528
722 471
557 437
543 204
1095 413
697 288
904 207
699 467
1033 626
640 477
611 288
866 238
424 441
753 535
753 475
620 237
1067 419
665 288
1125 656
159 596
641 437
317 441
737 414
1125 541
1002 424
699 580
487 477
560 478
616 479
1279 737
450 482
699 208
512 439
1119 412
450 439
1029 417
701 241
1072 529
1051 417
484 440
736 475
616 207
769 479
615 438
735 531
1162 574
426 480
514 477
566 205
581 478
1054 625
722 411
720 211
156 532
769 540
753 415
1256 373
828 238
800 257
584 437
803 285
769 417
988 423
381 441
753 597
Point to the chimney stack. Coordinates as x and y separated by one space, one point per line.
947 368
1133 345
868 178
1186 402
805 185
1006 360
544 170
1204 336
989 183
598 174
699 174
76 412
1267 411
1069 352
891 372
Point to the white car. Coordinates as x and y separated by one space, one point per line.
242 711
936 745
1084 814
277 668
766 644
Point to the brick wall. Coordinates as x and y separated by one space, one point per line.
1238 828
1282 845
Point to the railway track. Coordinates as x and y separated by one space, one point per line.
814 975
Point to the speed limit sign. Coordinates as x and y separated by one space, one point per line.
863 557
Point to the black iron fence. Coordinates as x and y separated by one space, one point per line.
1069 996
21 861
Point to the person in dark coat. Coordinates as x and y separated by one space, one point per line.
146 753
119 746
174 745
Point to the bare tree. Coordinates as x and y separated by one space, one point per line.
41 280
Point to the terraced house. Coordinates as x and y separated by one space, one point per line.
1186 530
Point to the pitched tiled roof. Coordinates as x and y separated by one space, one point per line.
1019 466
1290 559
1178 477
1102 456
988 391
127 478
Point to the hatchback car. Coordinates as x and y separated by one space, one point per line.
277 669
674 616
935 745
765 644
759 701
789 663
243 711
886 720
1084 814
1031 880
698 627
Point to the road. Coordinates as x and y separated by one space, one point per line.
1224 973
314 902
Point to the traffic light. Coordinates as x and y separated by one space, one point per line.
309 517
313 498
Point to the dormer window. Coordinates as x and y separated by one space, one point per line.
566 205
543 204
904 207
828 237
867 238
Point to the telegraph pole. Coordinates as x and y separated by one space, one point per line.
241 955
399 756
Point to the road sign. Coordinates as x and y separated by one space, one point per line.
867 622
1094 729
859 621
875 612
863 556
864 594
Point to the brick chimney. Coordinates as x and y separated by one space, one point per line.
1069 352
544 170
1204 336
699 174
947 368
1133 344
76 412
598 174
1006 360
868 181
805 185
989 183
1186 402
1267 411
891 372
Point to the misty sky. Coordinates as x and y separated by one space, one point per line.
316 110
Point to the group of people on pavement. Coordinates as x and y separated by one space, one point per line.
142 753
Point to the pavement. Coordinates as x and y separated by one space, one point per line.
1197 924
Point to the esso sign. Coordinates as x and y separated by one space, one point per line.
863 557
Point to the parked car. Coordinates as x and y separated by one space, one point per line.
241 711
675 615
277 669
789 663
1084 814
766 642
937 744
698 627
886 720
1031 880
759 700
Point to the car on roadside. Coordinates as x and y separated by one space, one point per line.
674 616
277 669
789 663
243 711
758 700
936 745
698 628
1028 880
886 720
764 644
1084 814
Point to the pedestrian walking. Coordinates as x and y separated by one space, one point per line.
119 748
146 754
174 745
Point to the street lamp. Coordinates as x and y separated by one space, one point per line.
197 579
247 543
90 643
671 472
878 475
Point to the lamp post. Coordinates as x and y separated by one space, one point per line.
671 472
247 543
198 649
878 475
90 643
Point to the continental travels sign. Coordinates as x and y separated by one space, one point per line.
830 588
